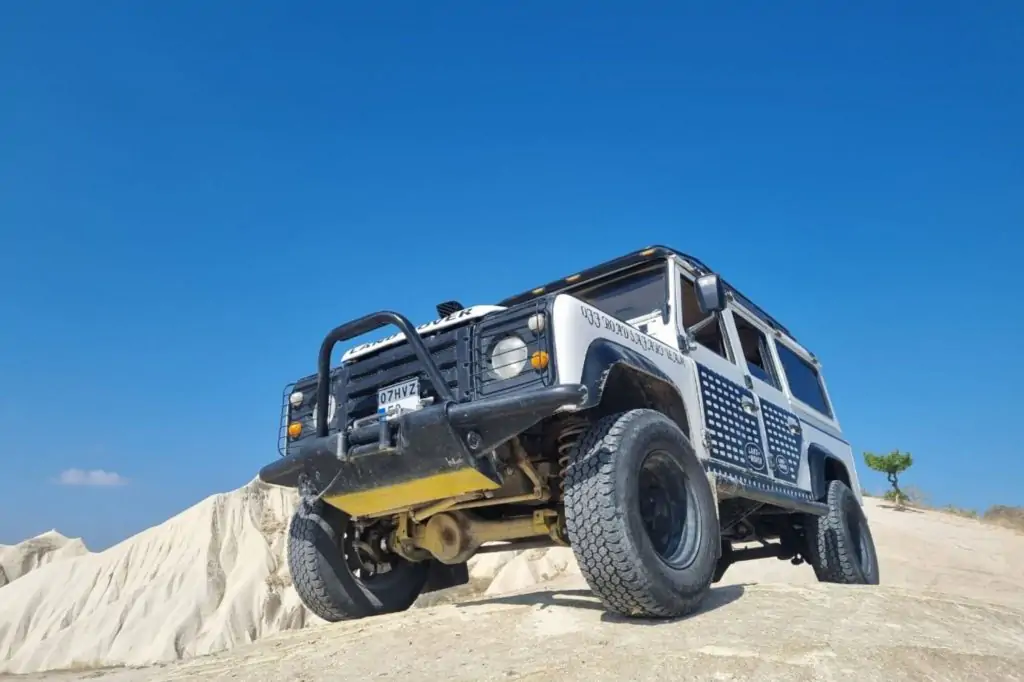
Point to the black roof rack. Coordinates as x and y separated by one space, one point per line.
635 258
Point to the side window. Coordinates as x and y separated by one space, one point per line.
755 351
803 379
707 329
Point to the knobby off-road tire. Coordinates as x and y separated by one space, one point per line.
617 555
841 548
326 583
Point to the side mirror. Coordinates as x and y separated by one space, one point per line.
710 294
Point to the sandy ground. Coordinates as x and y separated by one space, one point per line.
951 607
927 550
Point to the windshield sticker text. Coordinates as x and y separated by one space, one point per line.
634 336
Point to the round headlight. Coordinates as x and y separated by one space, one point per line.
509 357
331 406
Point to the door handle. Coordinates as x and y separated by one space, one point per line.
794 425
748 404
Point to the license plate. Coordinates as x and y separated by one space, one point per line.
401 397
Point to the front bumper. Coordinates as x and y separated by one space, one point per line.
420 456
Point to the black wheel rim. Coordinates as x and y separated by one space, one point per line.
668 509
366 553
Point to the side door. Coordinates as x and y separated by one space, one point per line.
782 430
729 416
810 403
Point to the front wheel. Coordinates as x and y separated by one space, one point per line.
840 546
641 516
341 572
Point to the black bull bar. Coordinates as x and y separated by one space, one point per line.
416 457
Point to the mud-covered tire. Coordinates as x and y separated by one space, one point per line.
324 581
840 546
617 555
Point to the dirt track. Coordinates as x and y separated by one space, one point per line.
777 632
951 608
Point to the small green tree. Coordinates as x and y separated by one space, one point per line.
892 465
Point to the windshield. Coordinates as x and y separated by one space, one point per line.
628 296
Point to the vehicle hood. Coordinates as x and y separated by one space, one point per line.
459 317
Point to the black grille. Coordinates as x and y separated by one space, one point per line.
365 376
354 385
462 355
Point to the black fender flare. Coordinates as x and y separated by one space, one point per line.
604 356
819 461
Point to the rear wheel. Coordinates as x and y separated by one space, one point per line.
841 548
640 516
342 572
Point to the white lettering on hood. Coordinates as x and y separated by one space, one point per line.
456 318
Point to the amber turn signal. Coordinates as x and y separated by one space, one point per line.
294 429
539 360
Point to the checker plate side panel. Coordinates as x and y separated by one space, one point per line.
783 445
734 435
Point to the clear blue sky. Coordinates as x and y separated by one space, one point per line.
192 193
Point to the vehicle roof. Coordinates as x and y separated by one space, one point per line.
647 255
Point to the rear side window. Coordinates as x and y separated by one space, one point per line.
803 380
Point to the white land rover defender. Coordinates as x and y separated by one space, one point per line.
642 412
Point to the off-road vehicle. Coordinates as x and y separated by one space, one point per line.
642 412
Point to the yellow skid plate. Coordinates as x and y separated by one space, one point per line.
407 493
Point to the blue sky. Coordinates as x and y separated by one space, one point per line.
192 193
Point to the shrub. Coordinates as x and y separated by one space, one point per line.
911 495
959 511
1005 515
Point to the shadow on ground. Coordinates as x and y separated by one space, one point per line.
584 599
